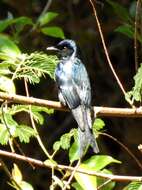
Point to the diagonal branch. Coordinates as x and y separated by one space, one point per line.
40 163
103 111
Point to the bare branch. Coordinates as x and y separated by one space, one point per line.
39 163
103 111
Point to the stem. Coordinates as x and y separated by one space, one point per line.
34 126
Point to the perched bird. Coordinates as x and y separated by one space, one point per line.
75 91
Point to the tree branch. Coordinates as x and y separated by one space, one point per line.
101 111
39 163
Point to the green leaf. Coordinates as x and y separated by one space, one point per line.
101 181
11 123
53 31
98 162
36 65
74 152
56 146
87 182
76 186
98 124
10 21
16 174
135 185
8 48
4 135
23 20
24 133
128 30
4 69
47 17
136 93
65 141
7 85
120 11
26 186
35 110
50 163
5 23
95 163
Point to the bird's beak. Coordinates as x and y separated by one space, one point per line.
52 48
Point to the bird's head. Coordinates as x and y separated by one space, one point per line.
66 48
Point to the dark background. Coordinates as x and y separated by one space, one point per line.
78 23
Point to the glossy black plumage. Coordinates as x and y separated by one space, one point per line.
75 91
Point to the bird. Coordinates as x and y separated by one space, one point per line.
74 91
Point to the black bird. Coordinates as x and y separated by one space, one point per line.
75 91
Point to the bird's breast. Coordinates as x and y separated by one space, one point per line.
63 73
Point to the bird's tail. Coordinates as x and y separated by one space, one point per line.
83 117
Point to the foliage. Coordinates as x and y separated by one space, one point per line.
94 163
134 186
136 93
127 18
18 181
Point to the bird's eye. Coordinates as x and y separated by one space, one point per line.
65 48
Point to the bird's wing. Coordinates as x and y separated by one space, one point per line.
70 95
81 82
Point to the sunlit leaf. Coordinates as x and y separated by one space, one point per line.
98 124
47 17
36 65
102 181
65 141
4 135
50 162
7 85
35 111
25 186
16 174
56 145
98 162
53 31
24 133
136 93
76 186
8 47
74 152
87 182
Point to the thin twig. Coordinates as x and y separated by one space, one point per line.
124 147
59 167
46 7
105 183
105 50
103 111
42 13
72 175
34 126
